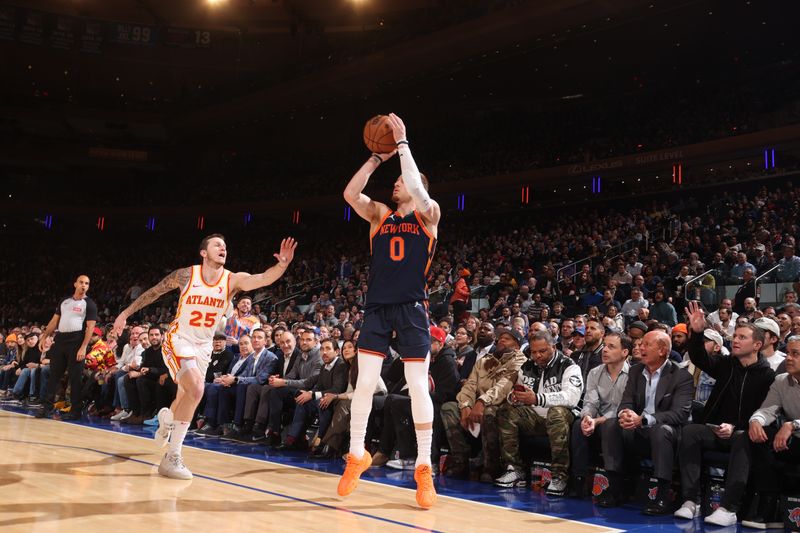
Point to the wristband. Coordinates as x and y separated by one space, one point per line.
402 142
377 158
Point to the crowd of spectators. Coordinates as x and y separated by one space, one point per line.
544 355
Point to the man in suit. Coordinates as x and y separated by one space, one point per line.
326 385
265 364
240 367
656 403
256 408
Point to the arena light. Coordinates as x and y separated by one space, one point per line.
215 3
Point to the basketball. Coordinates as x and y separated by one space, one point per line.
378 135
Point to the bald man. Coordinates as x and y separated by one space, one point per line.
655 404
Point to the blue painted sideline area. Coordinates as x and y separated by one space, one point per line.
625 518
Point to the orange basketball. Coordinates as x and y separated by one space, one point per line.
378 135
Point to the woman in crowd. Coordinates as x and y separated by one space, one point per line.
333 443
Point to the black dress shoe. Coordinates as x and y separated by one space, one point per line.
577 487
323 452
608 499
273 438
660 506
71 415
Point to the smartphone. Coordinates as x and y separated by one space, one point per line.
713 426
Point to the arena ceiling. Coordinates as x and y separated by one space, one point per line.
262 57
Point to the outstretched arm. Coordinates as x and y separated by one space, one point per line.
424 204
175 280
366 207
242 281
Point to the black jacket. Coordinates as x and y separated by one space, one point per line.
443 371
220 362
738 392
470 356
282 359
333 380
154 361
32 355
673 395
587 359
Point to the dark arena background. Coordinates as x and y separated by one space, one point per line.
619 186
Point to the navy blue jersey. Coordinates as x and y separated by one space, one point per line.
402 250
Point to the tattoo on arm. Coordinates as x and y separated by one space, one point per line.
174 280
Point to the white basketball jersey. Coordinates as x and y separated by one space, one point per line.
201 307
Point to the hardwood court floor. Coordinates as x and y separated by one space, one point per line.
56 476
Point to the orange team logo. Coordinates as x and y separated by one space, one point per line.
794 516
599 484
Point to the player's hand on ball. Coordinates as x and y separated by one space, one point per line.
398 128
286 253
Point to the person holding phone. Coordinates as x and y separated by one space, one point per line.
742 383
544 401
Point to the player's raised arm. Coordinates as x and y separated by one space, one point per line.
175 280
366 207
242 281
412 179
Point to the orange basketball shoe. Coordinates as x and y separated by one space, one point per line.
426 494
355 467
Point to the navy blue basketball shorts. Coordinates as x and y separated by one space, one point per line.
408 320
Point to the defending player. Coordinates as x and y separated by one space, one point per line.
206 291
402 243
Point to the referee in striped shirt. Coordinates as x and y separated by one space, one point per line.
74 319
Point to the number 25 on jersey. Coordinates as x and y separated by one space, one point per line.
197 319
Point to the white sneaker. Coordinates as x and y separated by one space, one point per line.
165 426
401 464
689 510
172 467
557 487
512 478
721 517
122 415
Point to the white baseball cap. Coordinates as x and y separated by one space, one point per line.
767 324
713 335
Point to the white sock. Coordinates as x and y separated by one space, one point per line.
176 437
416 374
369 371
424 439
